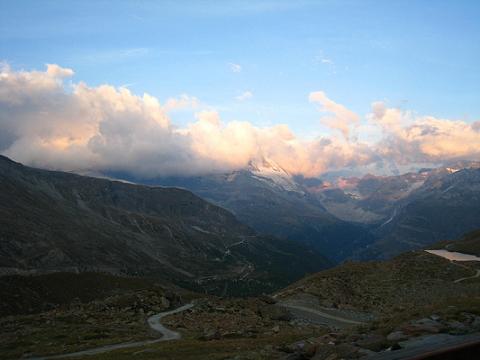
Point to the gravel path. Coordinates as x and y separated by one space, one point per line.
153 322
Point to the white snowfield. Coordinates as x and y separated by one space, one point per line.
454 256
270 172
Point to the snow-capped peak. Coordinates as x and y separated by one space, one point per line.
268 171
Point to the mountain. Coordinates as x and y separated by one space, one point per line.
444 207
271 201
55 221
407 211
368 199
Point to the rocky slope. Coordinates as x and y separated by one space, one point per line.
408 211
408 281
273 202
443 208
54 221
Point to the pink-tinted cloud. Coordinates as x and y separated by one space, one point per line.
47 123
339 117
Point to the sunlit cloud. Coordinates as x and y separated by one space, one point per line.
48 122
338 116
184 101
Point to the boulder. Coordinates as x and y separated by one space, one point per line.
456 327
423 326
210 334
397 336
374 342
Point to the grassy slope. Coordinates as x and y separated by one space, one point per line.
469 244
410 280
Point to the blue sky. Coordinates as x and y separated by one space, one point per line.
417 55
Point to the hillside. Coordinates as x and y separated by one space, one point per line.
273 202
445 207
54 221
408 281
468 244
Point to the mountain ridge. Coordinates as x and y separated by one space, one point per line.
53 221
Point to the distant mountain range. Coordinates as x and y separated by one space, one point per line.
273 202
369 217
409 211
55 221
443 208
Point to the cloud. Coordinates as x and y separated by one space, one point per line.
409 138
476 126
47 123
339 118
244 96
185 101
236 68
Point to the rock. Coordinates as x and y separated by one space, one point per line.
165 302
476 323
210 334
325 352
435 317
397 336
293 348
275 312
374 342
456 327
292 356
395 346
310 350
422 326
232 334
276 329
267 299
327 303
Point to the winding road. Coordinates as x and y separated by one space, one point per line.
477 274
153 322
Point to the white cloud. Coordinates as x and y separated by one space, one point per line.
236 68
244 96
340 117
184 101
45 123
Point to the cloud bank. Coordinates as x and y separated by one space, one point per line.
48 123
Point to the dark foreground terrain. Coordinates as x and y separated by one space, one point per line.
412 304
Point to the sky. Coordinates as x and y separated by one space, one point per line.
371 77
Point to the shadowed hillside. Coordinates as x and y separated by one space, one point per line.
54 221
